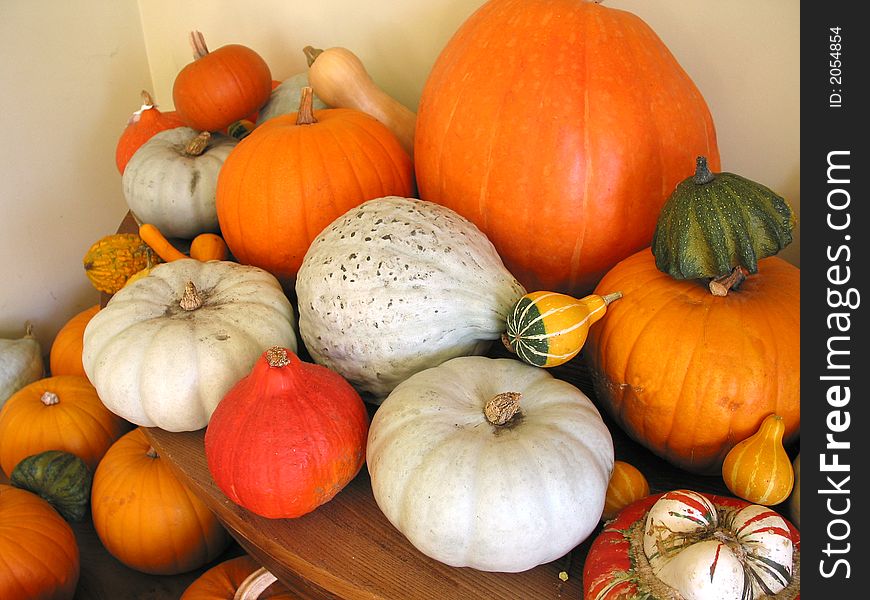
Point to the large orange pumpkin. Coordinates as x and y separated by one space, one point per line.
689 374
65 357
57 413
295 174
220 87
225 580
146 517
40 556
559 127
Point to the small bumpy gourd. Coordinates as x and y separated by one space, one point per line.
398 285
114 258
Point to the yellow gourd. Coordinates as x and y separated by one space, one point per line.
339 78
627 485
758 468
114 258
547 329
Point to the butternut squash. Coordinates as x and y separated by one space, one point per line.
339 78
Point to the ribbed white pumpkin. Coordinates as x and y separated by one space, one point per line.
704 555
167 186
398 285
159 364
21 363
470 493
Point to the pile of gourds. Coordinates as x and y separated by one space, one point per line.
407 244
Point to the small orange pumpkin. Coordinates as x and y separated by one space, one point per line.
39 549
240 577
146 517
143 124
65 357
220 87
627 485
57 413
295 174
758 469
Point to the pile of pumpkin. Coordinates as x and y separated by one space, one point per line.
406 244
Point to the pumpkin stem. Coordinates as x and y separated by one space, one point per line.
197 145
311 53
255 584
191 299
151 452
608 298
28 329
49 398
507 342
277 356
502 407
305 116
702 171
720 286
197 42
147 100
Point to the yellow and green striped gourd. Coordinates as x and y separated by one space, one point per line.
547 329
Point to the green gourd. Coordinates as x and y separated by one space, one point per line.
714 224
61 478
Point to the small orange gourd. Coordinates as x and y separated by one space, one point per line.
627 485
240 578
758 469
209 246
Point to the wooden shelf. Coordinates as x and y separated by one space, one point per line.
347 549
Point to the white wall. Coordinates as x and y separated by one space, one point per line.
70 75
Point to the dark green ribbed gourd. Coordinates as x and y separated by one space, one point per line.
716 223
61 478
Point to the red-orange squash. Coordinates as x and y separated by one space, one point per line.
295 174
227 580
287 438
559 127
141 126
689 374
65 357
40 555
57 413
220 87
146 517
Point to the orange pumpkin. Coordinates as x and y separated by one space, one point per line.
689 374
57 413
224 581
142 125
295 174
40 556
65 357
146 517
559 127
220 87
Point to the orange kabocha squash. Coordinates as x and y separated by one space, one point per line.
239 578
57 413
559 127
65 357
220 87
40 555
295 174
142 125
146 517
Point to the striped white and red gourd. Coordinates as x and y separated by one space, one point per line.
547 329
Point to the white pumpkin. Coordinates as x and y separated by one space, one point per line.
161 354
398 285
21 363
285 98
707 555
469 492
171 181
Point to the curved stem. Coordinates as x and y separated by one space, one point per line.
305 116
197 145
197 42
311 53
255 584
720 286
